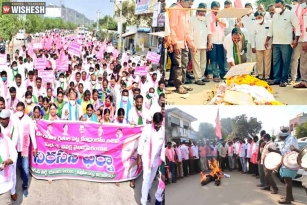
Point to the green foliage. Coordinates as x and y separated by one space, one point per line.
266 3
10 24
301 130
132 19
107 22
206 130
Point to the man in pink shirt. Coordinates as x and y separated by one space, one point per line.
170 160
181 38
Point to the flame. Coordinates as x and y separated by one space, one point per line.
216 172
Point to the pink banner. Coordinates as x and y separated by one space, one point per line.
86 151
40 64
153 57
140 70
46 75
74 49
62 65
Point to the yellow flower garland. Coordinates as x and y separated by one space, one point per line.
249 80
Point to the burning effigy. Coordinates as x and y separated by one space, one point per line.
215 175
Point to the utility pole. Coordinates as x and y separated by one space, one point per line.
98 12
120 26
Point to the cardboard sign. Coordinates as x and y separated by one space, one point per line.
238 98
232 13
46 75
153 57
140 70
74 49
40 64
244 68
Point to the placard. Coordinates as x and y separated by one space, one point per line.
232 13
40 64
244 68
3 60
37 46
46 75
74 49
153 57
238 98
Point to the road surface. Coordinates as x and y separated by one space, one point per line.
199 95
239 189
62 192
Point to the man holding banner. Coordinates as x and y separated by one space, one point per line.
150 151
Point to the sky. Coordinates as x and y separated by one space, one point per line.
272 117
88 7
208 2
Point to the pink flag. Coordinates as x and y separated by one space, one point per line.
238 4
218 130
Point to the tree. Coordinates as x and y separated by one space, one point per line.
244 127
226 124
34 23
266 3
128 11
107 22
206 130
301 130
10 24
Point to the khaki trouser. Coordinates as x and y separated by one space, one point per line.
294 61
268 179
5 198
199 60
180 63
179 170
303 63
264 57
203 164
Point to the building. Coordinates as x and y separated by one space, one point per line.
178 125
137 37
67 14
298 120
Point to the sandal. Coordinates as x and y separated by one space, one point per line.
187 88
283 201
132 185
283 197
300 85
199 82
206 80
181 91
217 80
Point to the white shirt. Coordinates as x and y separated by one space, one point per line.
186 151
243 149
218 35
249 154
20 91
133 117
10 76
228 46
259 35
195 151
179 155
282 27
29 66
26 121
248 23
5 186
8 132
231 25
157 139
73 111
200 31
37 92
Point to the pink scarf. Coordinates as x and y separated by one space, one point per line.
240 148
301 20
14 103
251 147
170 154
26 140
150 147
213 23
6 169
5 89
